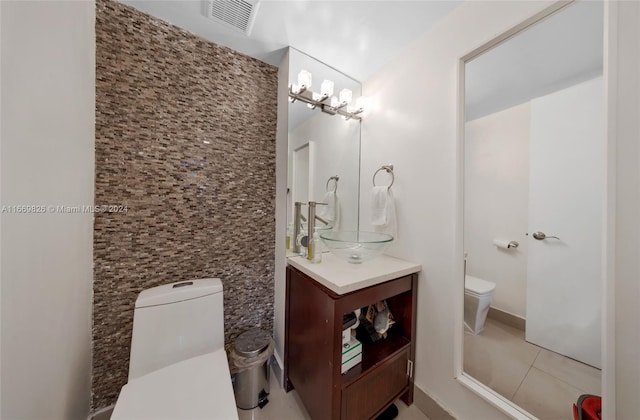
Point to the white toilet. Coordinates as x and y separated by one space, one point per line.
478 294
178 366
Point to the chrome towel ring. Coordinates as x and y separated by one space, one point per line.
389 170
335 178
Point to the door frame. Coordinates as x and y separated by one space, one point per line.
608 235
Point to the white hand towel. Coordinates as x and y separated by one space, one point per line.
384 218
335 222
379 199
331 211
391 228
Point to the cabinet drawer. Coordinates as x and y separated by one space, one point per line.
365 397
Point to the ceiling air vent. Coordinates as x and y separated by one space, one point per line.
238 14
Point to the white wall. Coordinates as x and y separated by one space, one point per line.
282 139
48 104
626 103
335 150
496 200
413 126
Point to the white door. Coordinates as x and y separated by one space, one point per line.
566 200
300 172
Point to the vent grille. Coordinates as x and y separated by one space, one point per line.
238 14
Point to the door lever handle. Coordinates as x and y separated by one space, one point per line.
541 236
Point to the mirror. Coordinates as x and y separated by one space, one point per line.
534 138
324 149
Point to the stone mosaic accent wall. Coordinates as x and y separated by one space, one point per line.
185 139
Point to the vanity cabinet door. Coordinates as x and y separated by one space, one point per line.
368 395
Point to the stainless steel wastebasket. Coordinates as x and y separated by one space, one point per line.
250 355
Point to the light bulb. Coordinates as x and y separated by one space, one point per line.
326 88
335 102
345 96
304 79
362 103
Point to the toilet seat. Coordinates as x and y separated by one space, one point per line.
478 287
196 388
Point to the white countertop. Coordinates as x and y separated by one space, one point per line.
343 277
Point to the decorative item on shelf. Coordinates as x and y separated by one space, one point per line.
375 322
325 101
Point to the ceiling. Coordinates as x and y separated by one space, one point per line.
355 37
561 51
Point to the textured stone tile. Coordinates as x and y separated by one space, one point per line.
185 138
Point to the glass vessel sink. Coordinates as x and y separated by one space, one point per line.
356 246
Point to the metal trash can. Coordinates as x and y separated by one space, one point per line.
250 356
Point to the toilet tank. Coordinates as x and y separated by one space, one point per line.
175 322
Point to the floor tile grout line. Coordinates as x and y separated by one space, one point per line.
542 369
525 377
561 380
537 355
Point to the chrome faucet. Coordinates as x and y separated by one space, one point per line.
311 220
299 218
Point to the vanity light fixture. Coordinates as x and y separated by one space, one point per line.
346 95
326 88
304 80
325 101
362 103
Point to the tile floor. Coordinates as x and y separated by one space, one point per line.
542 382
287 406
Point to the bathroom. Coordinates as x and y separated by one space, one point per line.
61 324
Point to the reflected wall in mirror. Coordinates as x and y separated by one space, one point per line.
533 200
323 147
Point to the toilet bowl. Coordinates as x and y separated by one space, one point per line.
178 366
478 294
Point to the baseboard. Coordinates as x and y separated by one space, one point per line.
507 318
102 414
277 368
430 407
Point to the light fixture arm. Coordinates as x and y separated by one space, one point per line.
306 96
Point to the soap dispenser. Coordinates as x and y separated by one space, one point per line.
314 254
303 241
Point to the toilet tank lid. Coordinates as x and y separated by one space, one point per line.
177 292
478 286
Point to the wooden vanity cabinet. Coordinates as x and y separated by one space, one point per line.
313 342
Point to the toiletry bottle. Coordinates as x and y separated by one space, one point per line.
289 235
314 244
311 248
302 241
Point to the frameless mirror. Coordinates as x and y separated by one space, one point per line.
533 197
324 149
